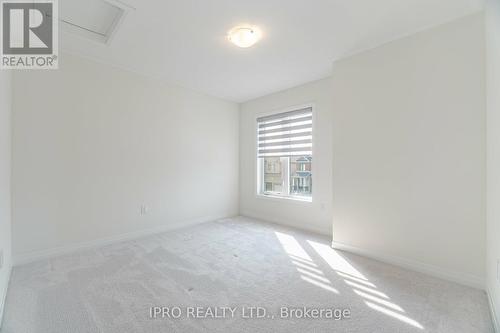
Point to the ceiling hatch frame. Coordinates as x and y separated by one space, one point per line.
103 38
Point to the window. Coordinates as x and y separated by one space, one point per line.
284 154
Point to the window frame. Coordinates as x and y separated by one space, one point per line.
259 183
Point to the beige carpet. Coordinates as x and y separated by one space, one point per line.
239 264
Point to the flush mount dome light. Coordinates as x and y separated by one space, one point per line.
244 36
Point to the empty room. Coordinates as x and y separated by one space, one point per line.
250 166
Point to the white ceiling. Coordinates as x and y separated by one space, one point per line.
184 41
94 15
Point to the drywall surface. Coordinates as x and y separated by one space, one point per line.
492 20
5 193
93 144
409 151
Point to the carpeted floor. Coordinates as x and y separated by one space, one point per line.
239 264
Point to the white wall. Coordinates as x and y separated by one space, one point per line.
92 143
409 151
314 216
5 169
493 151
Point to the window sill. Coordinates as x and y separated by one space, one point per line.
284 198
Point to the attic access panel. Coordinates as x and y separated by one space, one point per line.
97 20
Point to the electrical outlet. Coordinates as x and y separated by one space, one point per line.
1 259
144 210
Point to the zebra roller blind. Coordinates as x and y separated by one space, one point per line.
285 134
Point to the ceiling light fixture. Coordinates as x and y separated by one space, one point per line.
244 36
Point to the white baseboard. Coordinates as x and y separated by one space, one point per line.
493 311
54 252
4 296
306 227
461 278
